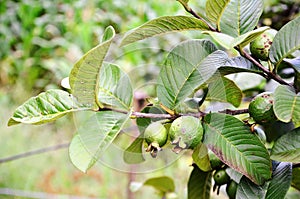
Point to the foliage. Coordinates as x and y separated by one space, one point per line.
198 71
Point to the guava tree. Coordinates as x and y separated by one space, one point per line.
252 148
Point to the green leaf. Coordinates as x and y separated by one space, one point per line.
237 65
287 105
287 147
85 75
233 142
187 66
134 153
221 38
108 34
286 41
244 39
142 123
199 184
296 178
115 88
281 180
163 25
224 90
295 62
46 107
234 17
163 184
248 190
94 137
201 158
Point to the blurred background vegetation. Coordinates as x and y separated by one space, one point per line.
40 41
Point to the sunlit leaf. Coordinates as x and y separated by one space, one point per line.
201 158
234 17
224 90
248 190
84 77
187 66
163 184
221 38
286 41
199 184
233 142
134 153
94 137
281 180
287 105
287 147
46 107
114 87
163 25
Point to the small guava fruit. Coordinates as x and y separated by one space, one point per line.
221 177
215 162
260 47
186 132
156 136
261 108
231 189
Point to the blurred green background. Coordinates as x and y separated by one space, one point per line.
40 40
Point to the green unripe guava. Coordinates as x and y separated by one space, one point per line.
260 47
261 108
221 177
156 133
231 189
186 132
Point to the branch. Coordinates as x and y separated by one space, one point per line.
35 152
269 73
192 12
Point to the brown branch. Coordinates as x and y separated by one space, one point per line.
35 152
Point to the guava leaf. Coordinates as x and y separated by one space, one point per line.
233 142
281 180
287 147
295 62
296 178
237 65
244 39
46 107
199 184
224 90
234 17
248 190
201 158
187 66
163 25
286 41
134 153
287 105
163 184
94 137
85 75
114 87
221 38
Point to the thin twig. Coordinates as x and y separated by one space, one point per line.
35 152
296 165
269 73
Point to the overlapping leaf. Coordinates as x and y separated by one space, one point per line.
281 180
248 190
224 90
187 66
232 141
134 153
115 88
46 107
163 25
84 77
201 158
234 17
287 105
199 184
287 147
163 184
296 178
286 41
94 137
